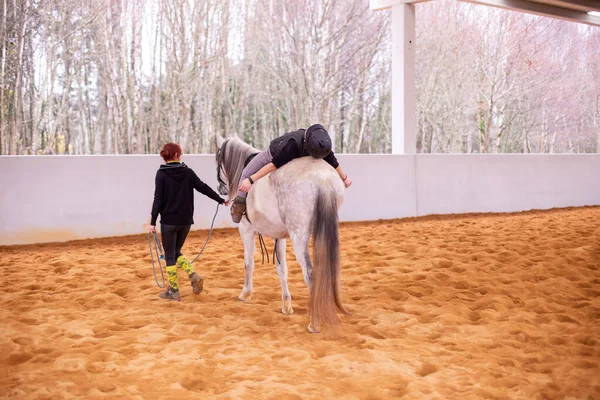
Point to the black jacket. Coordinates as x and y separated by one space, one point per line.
291 145
174 194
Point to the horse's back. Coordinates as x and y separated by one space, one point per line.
298 185
305 176
286 200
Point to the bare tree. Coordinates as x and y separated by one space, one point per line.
126 76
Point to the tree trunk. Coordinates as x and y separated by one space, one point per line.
3 43
17 98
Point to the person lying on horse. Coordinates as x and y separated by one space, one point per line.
314 141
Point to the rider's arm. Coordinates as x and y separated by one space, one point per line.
331 160
343 176
285 155
245 185
270 167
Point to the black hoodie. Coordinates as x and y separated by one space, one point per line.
174 194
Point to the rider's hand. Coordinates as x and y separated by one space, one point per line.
347 181
245 186
226 203
152 228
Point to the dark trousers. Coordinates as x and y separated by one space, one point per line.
173 237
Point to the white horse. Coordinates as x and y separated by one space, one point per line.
297 200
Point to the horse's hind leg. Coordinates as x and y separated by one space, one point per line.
302 256
282 271
300 243
247 235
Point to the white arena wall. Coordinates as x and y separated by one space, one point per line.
59 198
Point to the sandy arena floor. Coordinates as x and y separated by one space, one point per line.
465 307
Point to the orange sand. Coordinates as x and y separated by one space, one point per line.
460 307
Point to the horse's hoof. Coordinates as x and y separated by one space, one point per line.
244 296
311 329
287 308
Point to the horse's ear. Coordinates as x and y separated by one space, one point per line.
218 141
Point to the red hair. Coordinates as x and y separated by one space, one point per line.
170 152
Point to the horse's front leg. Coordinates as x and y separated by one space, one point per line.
282 271
247 235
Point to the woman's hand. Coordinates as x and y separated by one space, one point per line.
226 203
347 181
152 229
245 186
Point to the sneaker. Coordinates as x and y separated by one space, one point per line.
197 283
170 294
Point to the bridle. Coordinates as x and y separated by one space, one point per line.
220 153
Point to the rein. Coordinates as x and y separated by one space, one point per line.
263 250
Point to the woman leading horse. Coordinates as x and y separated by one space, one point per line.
174 201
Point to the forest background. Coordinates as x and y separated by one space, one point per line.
127 76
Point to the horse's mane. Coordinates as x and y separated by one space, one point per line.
234 153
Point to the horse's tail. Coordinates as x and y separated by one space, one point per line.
325 292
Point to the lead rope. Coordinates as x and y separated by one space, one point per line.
209 234
160 254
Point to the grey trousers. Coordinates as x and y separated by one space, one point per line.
259 161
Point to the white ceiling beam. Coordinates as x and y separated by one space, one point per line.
540 9
383 4
583 5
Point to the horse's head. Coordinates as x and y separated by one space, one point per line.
231 154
